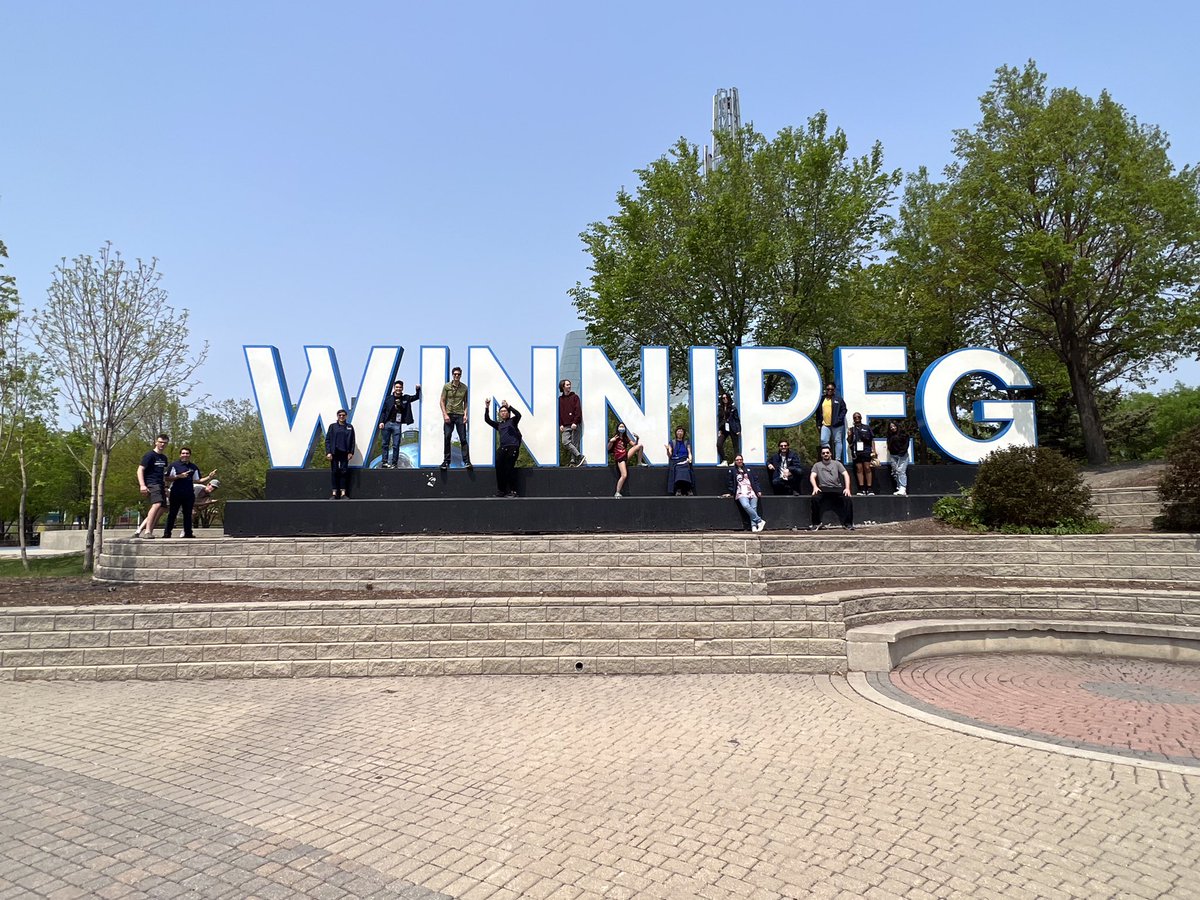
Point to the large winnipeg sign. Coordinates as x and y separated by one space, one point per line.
289 425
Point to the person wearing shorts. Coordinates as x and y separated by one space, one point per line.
151 476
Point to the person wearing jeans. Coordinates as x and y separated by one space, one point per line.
397 412
743 487
897 444
454 417
831 415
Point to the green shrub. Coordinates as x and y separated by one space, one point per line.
1179 488
959 511
1034 487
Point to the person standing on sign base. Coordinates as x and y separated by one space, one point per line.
831 415
510 446
570 423
397 412
339 447
897 444
862 448
729 425
454 418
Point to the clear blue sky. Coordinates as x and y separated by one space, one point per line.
418 173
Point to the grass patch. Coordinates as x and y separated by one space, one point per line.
43 567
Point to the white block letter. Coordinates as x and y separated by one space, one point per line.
602 387
935 415
751 364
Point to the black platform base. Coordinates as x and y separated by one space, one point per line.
589 481
552 501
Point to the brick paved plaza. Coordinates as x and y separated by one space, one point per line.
477 787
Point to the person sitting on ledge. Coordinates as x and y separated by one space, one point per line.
510 446
743 487
622 448
785 468
830 490
680 481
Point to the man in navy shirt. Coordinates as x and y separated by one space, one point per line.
339 447
183 475
151 473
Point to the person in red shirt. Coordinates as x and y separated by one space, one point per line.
570 422
622 446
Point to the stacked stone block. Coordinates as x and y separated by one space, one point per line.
519 636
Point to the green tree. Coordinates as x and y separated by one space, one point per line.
1078 237
9 308
30 445
109 329
763 250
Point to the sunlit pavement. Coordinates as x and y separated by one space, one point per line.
475 787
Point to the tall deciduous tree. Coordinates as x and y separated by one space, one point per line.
764 249
9 308
1078 236
113 340
30 413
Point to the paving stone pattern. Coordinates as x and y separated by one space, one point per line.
681 786
1141 708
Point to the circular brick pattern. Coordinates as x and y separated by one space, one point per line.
1137 708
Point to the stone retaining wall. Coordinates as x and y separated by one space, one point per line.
623 565
467 565
1127 507
527 636
518 636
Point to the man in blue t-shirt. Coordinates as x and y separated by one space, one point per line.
183 476
151 476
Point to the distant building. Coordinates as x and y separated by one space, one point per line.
726 119
569 366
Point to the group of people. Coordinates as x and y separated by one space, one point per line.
176 485
785 467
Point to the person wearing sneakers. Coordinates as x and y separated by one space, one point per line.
183 475
151 476
897 444
397 412
862 447
622 447
570 423
339 447
743 487
454 418
830 490
510 445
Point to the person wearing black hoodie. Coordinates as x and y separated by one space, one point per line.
510 446
339 447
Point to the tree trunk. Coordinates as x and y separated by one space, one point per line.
21 507
89 547
104 457
1094 444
